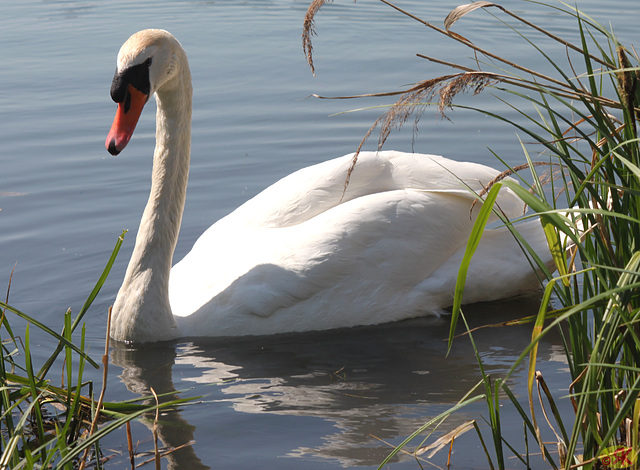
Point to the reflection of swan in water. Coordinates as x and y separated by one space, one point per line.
152 368
262 396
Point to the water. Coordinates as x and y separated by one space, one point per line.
302 401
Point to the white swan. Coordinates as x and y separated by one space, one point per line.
296 257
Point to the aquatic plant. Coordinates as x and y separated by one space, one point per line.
581 150
47 426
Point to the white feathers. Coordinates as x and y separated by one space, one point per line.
300 256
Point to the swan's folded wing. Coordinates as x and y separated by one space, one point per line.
365 256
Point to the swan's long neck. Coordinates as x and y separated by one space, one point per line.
142 311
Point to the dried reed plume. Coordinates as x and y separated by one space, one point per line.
309 30
413 101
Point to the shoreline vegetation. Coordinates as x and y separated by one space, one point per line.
49 426
580 147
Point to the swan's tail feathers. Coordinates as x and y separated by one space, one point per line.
563 230
550 241
508 261
567 229
533 243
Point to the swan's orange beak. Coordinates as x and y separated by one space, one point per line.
126 119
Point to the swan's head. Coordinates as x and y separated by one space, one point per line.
148 61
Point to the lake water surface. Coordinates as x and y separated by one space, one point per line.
311 401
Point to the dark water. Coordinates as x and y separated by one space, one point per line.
301 401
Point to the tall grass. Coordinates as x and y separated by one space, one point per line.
47 426
579 120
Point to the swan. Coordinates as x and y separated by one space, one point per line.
300 255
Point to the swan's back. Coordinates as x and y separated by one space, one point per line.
313 190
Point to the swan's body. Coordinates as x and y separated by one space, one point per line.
298 257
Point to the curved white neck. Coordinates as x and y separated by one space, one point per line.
142 306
